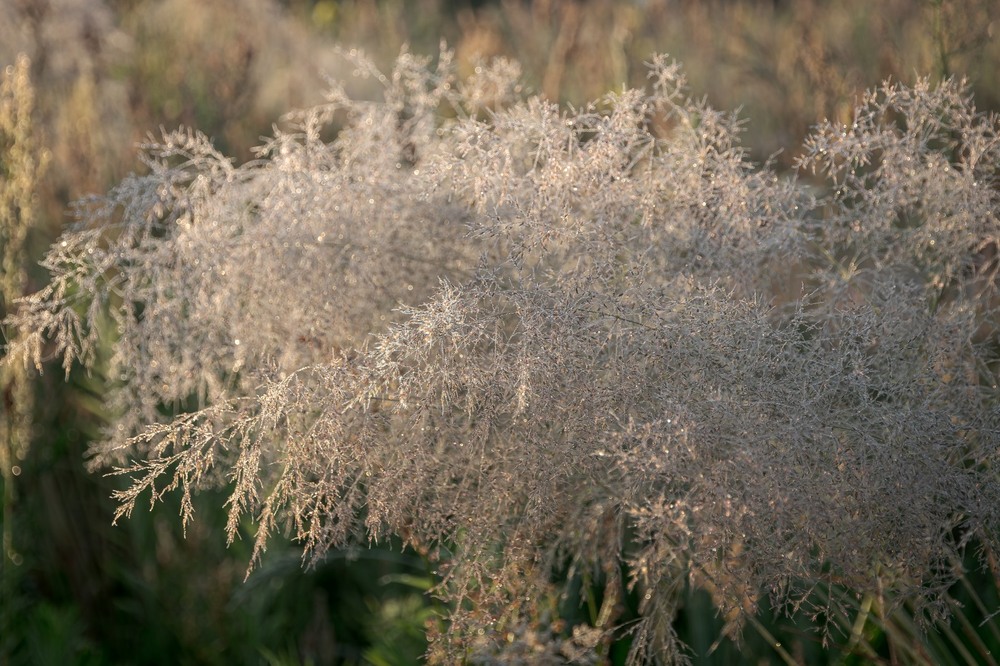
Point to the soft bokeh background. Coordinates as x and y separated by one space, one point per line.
76 590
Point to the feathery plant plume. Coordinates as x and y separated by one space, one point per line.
22 164
528 340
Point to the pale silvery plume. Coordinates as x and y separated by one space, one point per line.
588 370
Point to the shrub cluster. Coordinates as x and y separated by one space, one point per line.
532 341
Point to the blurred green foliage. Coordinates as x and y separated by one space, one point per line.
107 71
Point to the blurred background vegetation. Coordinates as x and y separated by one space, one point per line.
85 80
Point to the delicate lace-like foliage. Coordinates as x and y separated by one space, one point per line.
522 339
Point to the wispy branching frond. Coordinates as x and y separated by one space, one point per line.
528 340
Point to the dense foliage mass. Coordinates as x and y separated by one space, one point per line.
535 343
